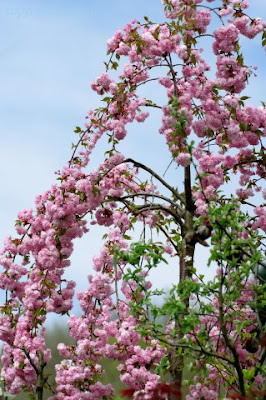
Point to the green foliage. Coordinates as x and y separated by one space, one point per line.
236 251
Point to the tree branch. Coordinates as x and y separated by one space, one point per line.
161 180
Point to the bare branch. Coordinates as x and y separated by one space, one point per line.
161 180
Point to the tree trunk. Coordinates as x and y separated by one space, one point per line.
177 362
185 271
41 378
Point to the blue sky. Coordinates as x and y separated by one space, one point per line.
50 52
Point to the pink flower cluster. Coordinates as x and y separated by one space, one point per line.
76 378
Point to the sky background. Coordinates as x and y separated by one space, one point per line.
50 52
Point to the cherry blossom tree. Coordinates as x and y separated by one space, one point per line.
215 329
